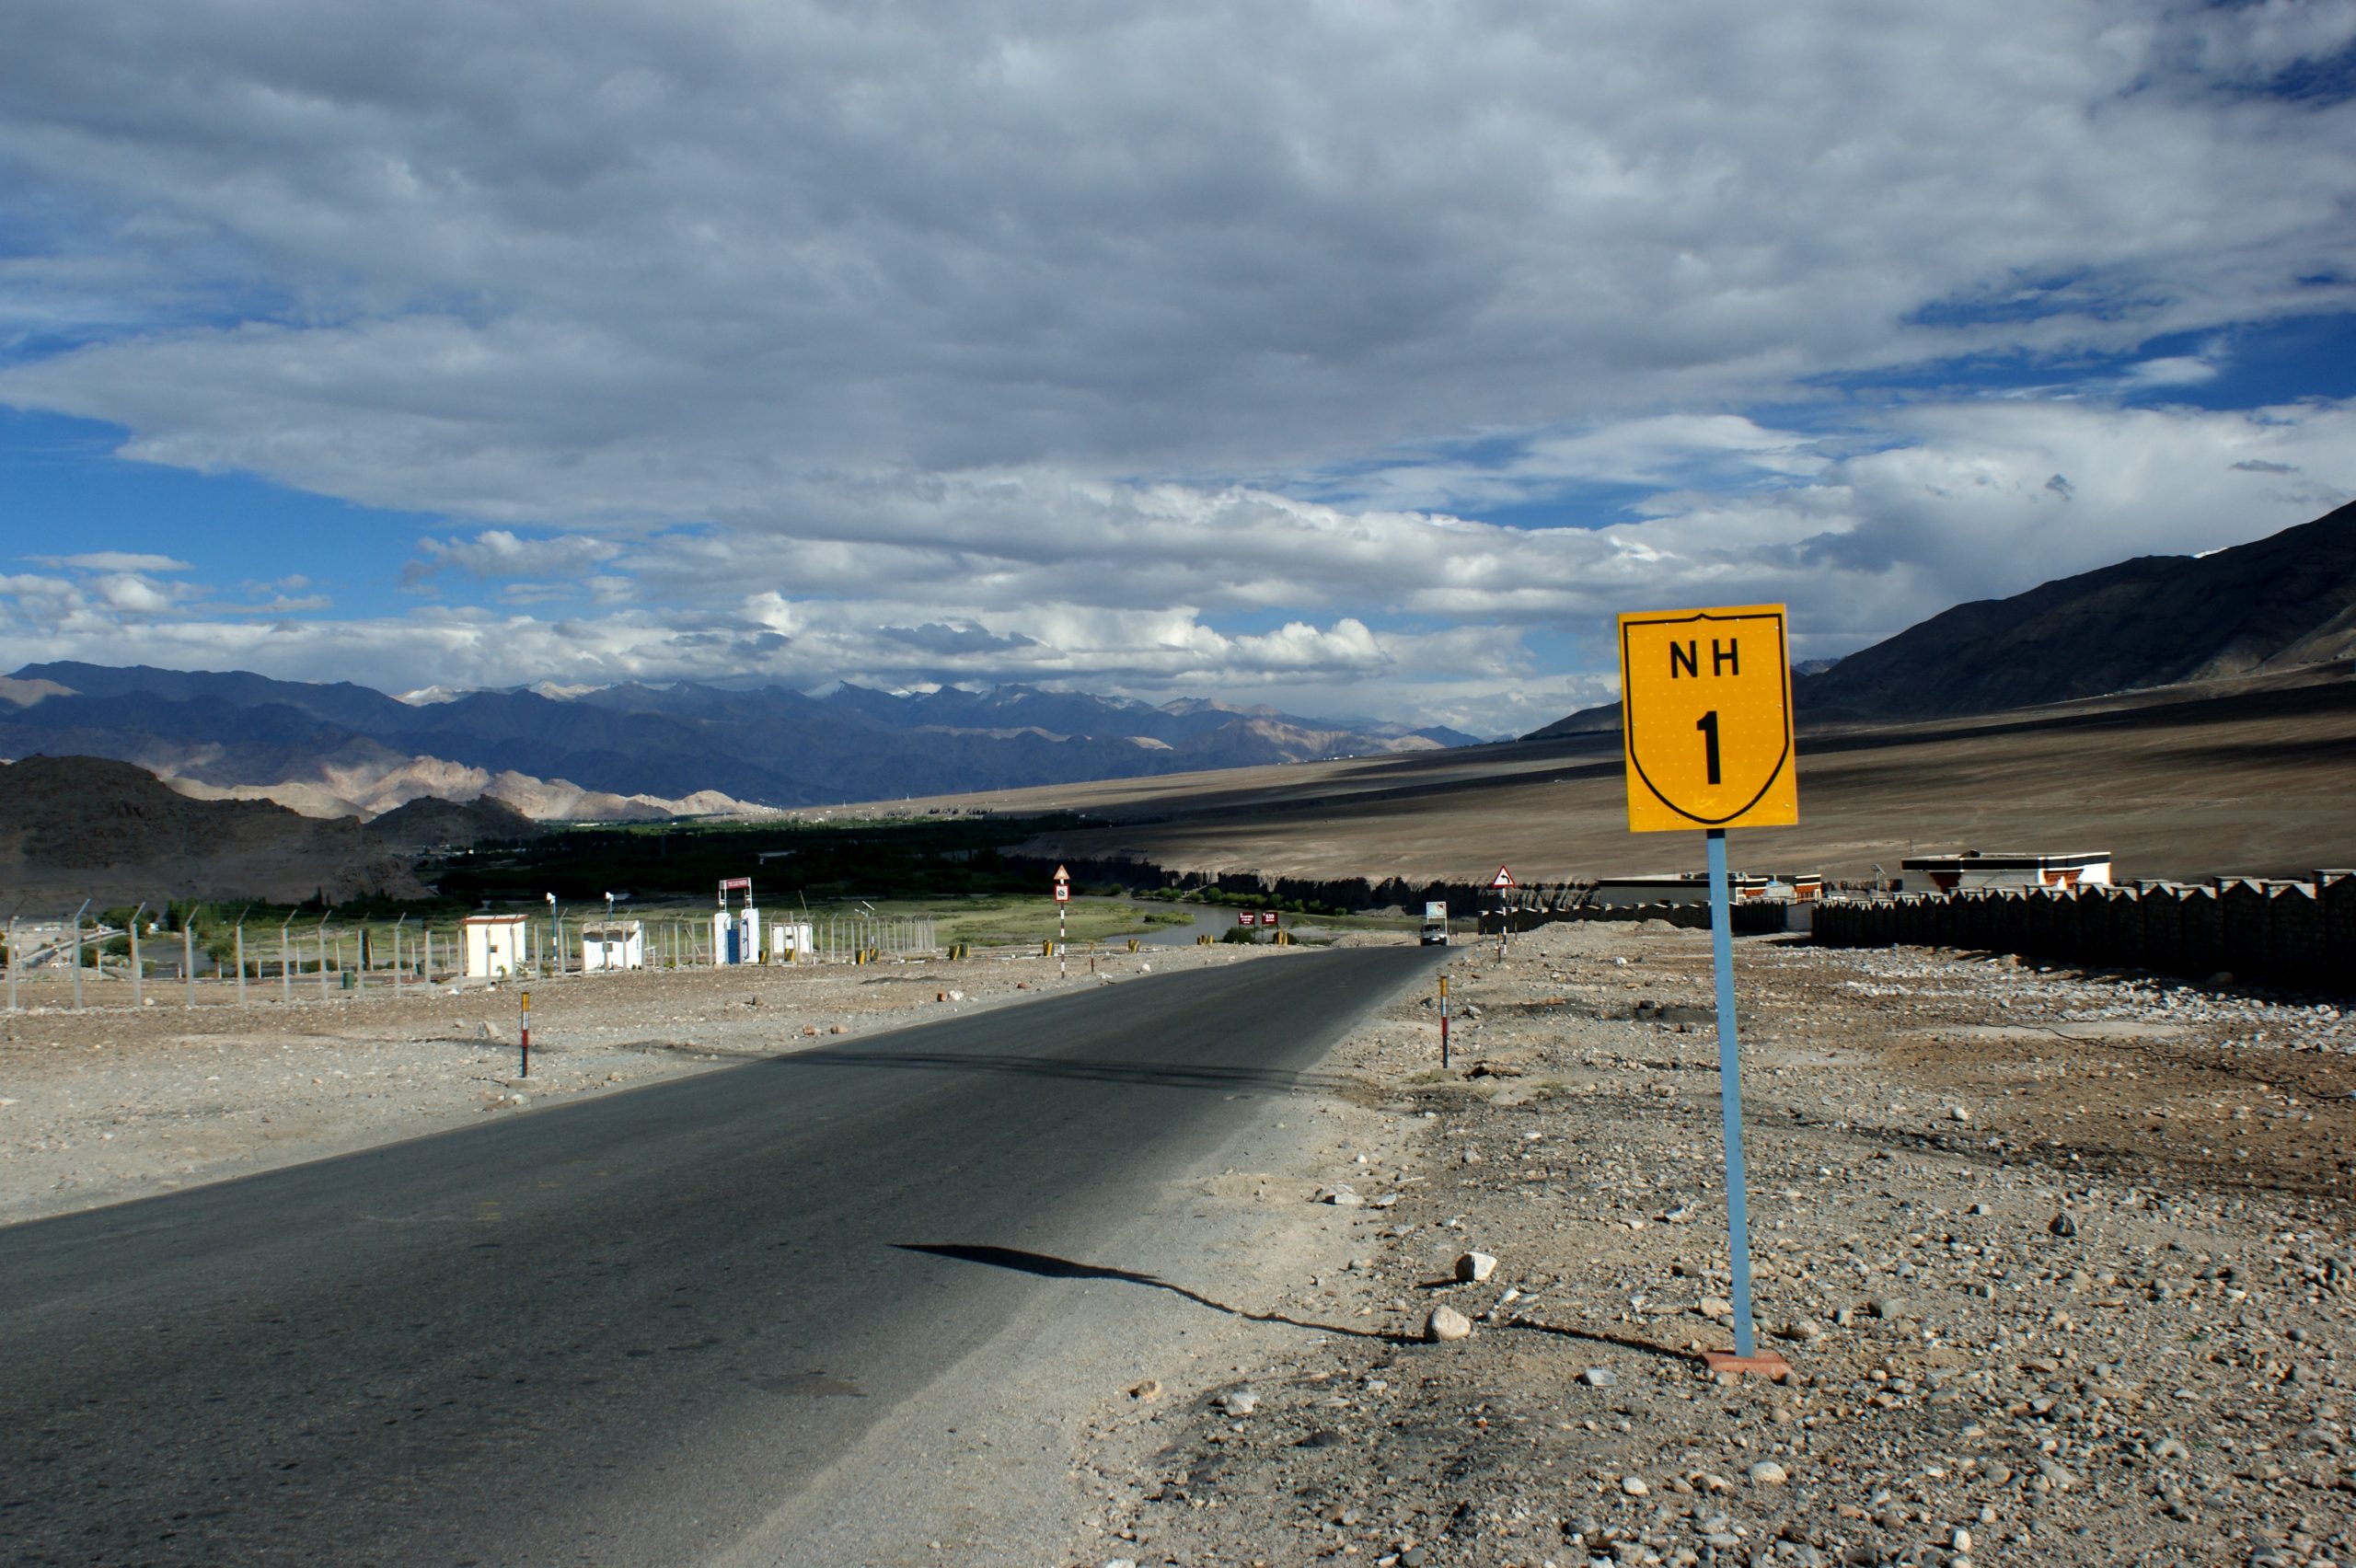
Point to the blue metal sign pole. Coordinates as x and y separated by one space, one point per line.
1730 1092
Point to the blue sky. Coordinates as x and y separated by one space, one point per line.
1363 358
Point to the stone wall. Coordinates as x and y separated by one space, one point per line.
2300 934
1532 905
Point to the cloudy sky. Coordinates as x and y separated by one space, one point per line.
1362 357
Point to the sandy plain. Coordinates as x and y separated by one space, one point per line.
2250 778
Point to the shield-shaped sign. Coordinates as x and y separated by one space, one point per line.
1706 716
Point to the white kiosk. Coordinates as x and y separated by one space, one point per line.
493 947
737 936
615 944
792 941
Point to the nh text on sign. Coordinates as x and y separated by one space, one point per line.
1705 711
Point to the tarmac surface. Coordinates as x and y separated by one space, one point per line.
660 1325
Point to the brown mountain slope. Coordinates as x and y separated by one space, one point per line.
2275 603
2156 621
431 822
76 827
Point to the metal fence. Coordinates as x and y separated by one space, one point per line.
136 963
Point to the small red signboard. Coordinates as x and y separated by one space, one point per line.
1063 893
1247 918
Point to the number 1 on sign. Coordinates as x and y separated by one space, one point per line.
1708 725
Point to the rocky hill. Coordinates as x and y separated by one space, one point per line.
431 823
2278 604
76 827
634 751
2274 604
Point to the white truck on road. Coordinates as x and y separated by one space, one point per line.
1435 925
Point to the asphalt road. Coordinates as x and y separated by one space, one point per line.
621 1332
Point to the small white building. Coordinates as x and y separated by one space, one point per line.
612 944
737 936
1976 869
792 941
493 947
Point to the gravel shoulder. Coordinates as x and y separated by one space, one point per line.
2062 1262
111 1103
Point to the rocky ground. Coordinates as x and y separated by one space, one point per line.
112 1102
2060 1263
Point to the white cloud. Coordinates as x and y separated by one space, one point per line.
1136 349
116 560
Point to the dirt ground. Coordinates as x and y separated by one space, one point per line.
113 1102
2061 1264
2245 779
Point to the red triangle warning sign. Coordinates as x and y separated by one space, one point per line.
1503 879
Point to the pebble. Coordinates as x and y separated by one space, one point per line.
1767 1472
1238 1402
2063 1225
1447 1323
1475 1267
1635 1486
1599 1377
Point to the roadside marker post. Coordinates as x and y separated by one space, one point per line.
1443 1023
1682 677
523 1032
1063 902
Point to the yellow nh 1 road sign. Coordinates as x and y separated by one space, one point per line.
1705 711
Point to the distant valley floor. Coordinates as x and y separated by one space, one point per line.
2246 778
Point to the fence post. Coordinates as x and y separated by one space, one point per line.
77 955
187 958
138 992
241 964
285 967
12 963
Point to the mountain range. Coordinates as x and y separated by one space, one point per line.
634 751
2281 602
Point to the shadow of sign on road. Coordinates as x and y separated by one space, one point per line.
1045 1266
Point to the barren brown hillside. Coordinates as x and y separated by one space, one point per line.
2255 776
75 827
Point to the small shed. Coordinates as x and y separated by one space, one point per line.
612 944
1976 869
493 947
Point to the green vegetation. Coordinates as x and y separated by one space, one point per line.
1221 896
819 862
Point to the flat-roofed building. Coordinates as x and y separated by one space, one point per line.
612 944
493 947
1976 869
